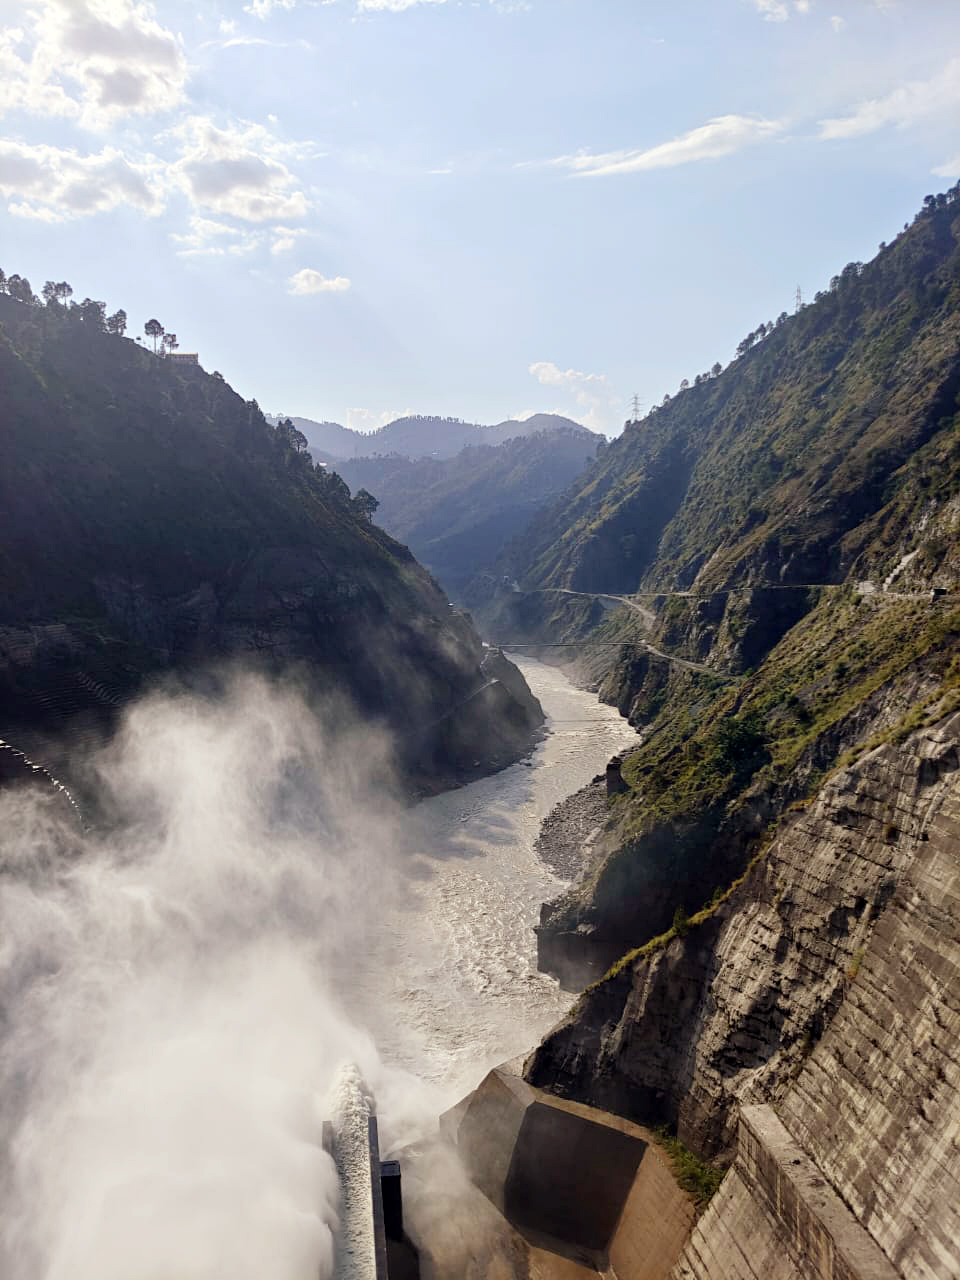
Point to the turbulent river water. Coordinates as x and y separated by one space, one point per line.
181 990
450 979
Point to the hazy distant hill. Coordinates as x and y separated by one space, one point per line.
423 436
326 439
456 514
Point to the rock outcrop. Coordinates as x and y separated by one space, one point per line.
827 984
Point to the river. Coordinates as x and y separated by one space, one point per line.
452 983
180 991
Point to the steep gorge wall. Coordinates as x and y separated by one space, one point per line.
877 1105
156 526
827 984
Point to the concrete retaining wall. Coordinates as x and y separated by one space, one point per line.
777 1218
582 1184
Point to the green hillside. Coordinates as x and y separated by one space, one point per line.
762 470
750 507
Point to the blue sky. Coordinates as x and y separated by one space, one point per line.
482 208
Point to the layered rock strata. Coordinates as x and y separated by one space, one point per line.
828 984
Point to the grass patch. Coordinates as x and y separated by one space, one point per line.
697 1177
682 923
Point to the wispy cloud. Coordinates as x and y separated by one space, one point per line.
916 100
306 280
595 404
719 137
209 238
264 8
391 6
950 169
286 239
780 10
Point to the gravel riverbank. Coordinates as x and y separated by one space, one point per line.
570 829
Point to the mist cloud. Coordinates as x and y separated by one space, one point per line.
170 993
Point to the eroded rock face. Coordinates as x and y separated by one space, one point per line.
877 1104
827 983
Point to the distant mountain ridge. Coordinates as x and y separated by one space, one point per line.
422 435
457 514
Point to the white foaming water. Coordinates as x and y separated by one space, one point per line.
350 1107
450 979
176 997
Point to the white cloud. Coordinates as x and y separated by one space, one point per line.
721 136
92 61
950 169
306 280
371 419
391 6
287 238
779 10
53 184
838 23
263 8
595 405
917 100
208 238
551 375
239 170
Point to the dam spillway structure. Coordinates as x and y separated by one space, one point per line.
369 1242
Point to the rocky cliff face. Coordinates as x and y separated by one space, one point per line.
828 984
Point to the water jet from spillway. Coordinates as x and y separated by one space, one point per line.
368 1244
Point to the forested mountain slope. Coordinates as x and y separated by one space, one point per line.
760 473
771 918
457 513
153 521
827 454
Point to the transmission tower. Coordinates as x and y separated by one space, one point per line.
636 409
799 304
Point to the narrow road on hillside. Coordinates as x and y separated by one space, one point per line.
649 619
648 616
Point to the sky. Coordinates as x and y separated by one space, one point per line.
357 209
